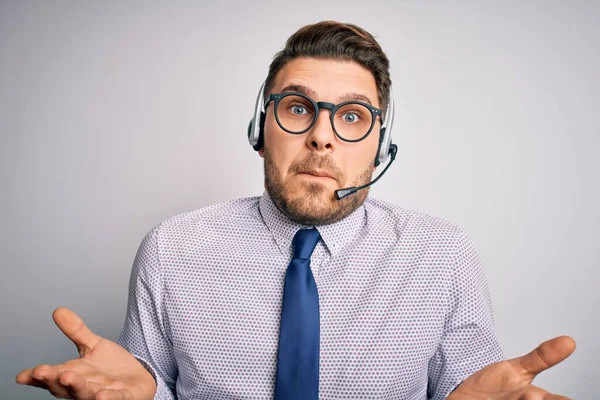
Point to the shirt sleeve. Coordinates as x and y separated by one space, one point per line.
145 333
469 341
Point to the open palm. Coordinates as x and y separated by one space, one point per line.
511 379
104 370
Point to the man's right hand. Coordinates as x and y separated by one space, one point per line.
104 370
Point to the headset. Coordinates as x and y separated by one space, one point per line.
385 150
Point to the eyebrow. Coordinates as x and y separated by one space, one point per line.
305 90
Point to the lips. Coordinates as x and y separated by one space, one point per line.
318 173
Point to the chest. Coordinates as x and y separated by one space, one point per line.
380 322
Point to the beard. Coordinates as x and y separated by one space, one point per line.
317 205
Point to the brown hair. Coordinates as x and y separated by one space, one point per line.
338 41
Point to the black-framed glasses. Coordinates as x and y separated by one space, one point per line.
296 113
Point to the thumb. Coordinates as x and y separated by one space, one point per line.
546 355
75 329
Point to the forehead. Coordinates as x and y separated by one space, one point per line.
328 79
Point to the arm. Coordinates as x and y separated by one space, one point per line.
142 368
469 342
145 333
468 364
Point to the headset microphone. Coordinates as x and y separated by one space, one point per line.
341 193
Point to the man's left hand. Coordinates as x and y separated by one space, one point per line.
511 379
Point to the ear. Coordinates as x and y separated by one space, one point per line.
261 152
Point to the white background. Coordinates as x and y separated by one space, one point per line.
114 116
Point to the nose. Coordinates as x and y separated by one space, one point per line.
321 137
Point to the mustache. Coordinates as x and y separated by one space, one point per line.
314 161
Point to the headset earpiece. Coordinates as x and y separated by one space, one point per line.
261 132
385 134
381 135
255 130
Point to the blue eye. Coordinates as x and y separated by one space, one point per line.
350 118
299 110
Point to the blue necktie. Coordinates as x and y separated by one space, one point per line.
298 357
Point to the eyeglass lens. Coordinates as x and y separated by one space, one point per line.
351 121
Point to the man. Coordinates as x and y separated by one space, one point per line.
298 294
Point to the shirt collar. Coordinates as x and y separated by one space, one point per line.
336 236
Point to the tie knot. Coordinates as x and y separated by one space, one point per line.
304 242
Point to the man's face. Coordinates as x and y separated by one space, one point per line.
303 171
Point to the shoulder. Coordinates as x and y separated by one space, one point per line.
425 240
227 210
396 220
175 239
228 215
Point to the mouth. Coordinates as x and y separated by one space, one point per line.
321 175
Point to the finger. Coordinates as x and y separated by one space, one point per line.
546 355
24 377
532 392
527 393
35 383
75 329
110 394
80 388
47 376
76 385
41 371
